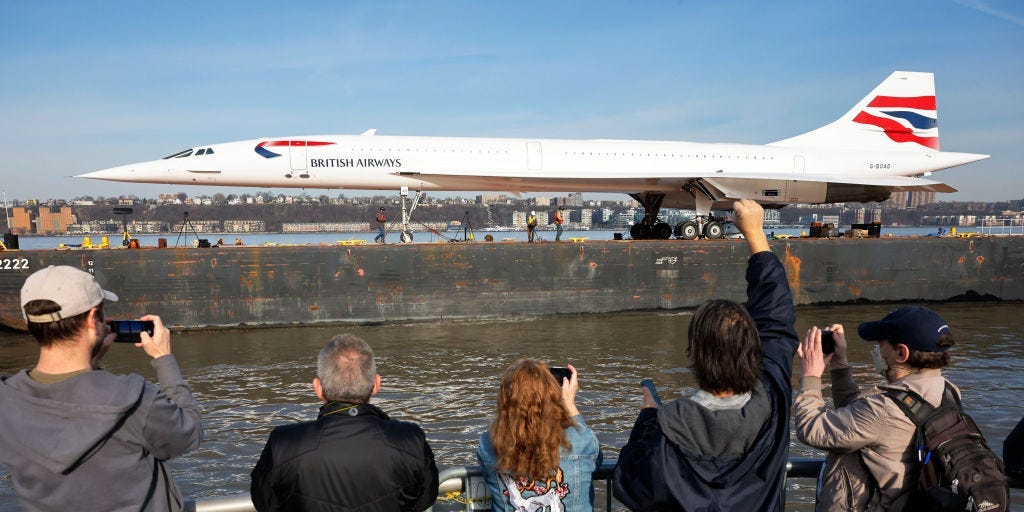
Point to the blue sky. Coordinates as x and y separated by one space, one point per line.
89 85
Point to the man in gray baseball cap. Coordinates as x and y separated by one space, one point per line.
76 437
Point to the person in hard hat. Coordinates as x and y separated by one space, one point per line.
531 225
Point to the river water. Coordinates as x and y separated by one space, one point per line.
445 377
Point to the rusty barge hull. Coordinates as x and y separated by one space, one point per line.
254 286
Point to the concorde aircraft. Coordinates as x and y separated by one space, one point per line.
887 142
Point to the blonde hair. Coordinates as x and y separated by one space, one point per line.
529 426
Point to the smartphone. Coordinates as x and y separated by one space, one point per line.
128 331
828 343
649 384
560 373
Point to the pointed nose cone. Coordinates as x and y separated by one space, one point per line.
122 173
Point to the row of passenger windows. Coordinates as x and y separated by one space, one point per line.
209 151
567 153
671 155
188 152
381 149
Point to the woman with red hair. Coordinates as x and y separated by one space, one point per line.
539 453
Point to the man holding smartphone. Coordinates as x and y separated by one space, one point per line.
725 447
76 437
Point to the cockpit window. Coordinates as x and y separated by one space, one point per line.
201 152
180 154
209 151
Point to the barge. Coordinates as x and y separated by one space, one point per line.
245 286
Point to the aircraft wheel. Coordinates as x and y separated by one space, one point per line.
406 237
662 231
714 230
638 232
687 230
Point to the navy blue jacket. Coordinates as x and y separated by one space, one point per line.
654 474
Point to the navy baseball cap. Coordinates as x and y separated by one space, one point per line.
914 326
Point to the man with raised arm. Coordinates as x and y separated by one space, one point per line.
352 456
726 446
77 437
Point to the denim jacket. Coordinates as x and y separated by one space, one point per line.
574 493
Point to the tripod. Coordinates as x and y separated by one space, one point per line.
126 238
186 225
467 229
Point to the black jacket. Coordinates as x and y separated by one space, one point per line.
654 473
352 457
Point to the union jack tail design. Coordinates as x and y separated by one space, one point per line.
904 119
899 115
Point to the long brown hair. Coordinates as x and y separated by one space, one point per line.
530 423
724 350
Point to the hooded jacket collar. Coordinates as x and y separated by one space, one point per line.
59 424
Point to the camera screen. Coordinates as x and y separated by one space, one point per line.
128 330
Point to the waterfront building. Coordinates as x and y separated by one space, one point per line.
244 226
22 220
55 220
519 220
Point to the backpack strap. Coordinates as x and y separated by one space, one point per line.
917 408
918 411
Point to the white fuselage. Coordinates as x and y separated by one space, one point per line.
765 173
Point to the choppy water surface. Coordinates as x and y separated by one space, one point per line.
445 377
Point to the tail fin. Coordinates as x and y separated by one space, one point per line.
898 115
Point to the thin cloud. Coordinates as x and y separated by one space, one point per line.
988 8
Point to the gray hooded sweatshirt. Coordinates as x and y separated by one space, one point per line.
97 441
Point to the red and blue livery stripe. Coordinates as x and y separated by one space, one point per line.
901 125
261 148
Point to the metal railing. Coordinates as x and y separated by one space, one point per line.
468 481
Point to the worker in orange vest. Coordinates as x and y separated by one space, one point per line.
381 219
558 223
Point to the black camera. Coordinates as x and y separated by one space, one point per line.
560 373
129 331
828 342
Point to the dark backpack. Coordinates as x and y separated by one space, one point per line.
957 471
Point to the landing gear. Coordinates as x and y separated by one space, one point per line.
687 230
659 231
704 226
650 228
714 229
406 234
